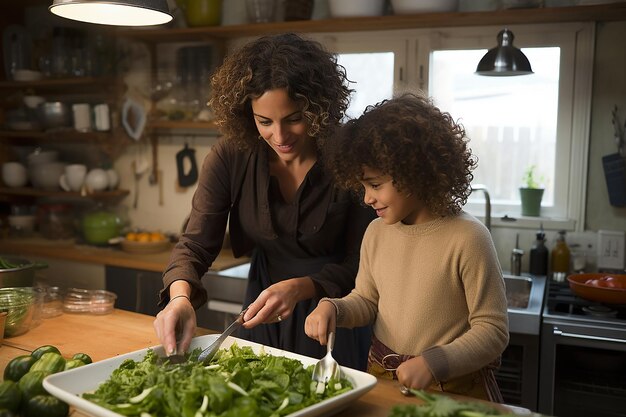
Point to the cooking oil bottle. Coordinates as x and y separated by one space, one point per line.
539 255
560 258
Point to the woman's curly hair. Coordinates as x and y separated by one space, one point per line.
423 149
310 74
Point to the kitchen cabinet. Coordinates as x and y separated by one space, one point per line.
137 290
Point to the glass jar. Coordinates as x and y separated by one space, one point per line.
52 302
56 221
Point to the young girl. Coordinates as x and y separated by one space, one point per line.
429 280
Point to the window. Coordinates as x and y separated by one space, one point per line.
512 122
509 128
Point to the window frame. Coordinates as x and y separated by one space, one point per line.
413 48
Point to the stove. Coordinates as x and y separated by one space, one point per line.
583 356
562 304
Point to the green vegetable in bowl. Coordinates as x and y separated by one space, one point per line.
7 413
237 382
443 406
18 367
18 303
5 264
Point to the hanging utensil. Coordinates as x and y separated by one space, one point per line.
133 118
186 178
154 173
618 133
614 166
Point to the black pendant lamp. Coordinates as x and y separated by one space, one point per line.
114 12
504 59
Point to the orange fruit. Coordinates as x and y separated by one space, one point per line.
131 236
156 237
143 237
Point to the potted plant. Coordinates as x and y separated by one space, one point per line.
531 192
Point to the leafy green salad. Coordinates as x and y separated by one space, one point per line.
237 382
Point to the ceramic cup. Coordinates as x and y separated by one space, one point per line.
73 177
14 174
82 117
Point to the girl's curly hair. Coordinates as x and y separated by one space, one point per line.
423 149
310 74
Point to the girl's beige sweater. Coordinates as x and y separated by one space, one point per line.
433 289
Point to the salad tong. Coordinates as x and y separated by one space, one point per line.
207 354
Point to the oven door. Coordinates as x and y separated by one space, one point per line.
583 369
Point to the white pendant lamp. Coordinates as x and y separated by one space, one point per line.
114 12
504 59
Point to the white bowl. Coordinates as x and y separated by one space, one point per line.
33 101
27 75
14 174
423 6
23 222
46 175
343 8
97 180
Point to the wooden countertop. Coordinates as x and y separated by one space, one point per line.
120 332
110 255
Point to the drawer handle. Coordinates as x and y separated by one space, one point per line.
557 332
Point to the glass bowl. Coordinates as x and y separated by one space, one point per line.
19 304
77 300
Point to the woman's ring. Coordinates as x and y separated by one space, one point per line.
279 318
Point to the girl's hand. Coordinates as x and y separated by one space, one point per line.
276 302
321 321
177 319
414 373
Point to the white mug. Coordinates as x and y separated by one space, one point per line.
102 117
73 177
14 174
82 117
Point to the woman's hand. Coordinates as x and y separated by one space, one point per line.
321 321
415 373
276 302
176 320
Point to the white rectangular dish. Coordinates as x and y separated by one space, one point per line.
69 385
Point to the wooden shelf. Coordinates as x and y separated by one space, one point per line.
64 135
36 192
182 124
173 127
604 12
62 84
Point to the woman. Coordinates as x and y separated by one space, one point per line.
276 101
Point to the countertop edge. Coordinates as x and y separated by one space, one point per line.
70 250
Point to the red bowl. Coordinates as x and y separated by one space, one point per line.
591 292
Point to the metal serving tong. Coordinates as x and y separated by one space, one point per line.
207 354
327 368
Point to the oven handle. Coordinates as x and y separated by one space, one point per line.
558 332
